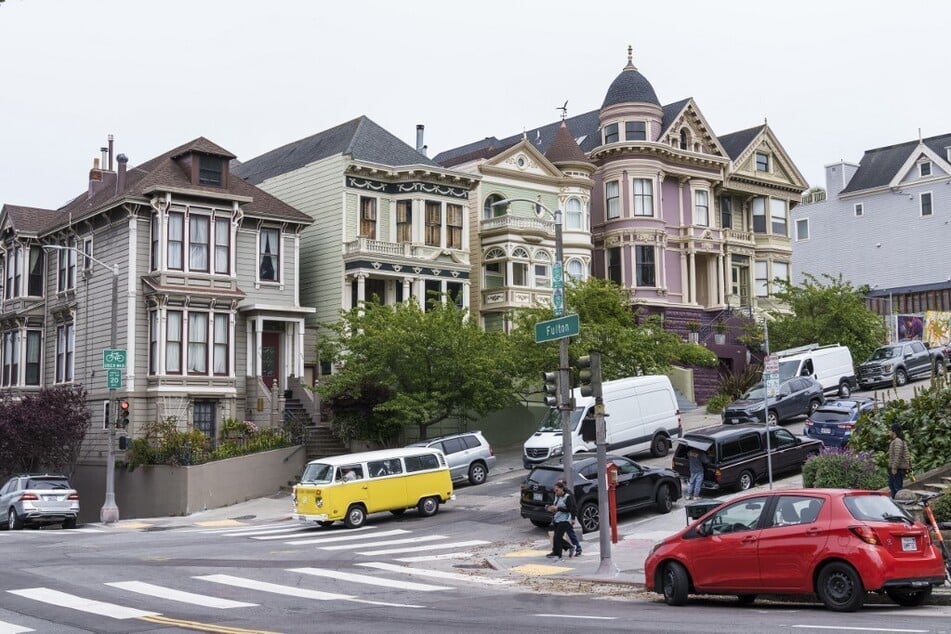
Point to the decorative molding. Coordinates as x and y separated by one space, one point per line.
405 188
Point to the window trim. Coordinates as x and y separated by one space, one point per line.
612 133
799 236
762 162
627 129
921 204
640 199
641 263
65 352
921 169
703 221
608 199
619 266
858 209
275 256
367 216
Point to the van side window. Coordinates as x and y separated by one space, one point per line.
421 463
453 445
380 468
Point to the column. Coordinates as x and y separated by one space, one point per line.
361 287
407 289
692 264
721 295
683 278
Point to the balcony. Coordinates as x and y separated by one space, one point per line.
509 297
524 225
734 236
405 250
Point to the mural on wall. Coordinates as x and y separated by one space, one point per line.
937 328
910 327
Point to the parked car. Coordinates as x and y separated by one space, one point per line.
831 365
839 544
897 363
469 455
638 487
37 500
736 454
834 422
945 351
798 396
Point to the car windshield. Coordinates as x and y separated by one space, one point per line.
873 508
884 353
317 473
830 416
45 483
755 393
552 420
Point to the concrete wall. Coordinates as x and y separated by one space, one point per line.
161 491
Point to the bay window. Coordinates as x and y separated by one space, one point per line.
35 272
65 346
222 338
574 214
12 287
176 241
643 197
198 243
404 220
173 342
612 199
702 208
197 343
759 215
645 266
11 357
66 278
761 279
777 215
433 227
33 352
614 265
367 217
454 226
223 245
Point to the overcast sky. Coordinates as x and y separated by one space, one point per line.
834 78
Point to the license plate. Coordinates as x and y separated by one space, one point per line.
537 497
52 497
825 431
909 544
734 420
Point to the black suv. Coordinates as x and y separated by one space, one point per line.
737 454
637 487
896 363
798 396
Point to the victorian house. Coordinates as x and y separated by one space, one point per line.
694 224
204 267
388 223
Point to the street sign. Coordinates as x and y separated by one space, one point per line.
558 289
771 364
113 359
567 326
771 375
113 379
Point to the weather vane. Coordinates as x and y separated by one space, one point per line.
564 110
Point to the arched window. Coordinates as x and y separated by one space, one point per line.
574 214
494 269
576 270
520 261
542 267
683 138
488 211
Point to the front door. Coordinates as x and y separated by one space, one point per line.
270 357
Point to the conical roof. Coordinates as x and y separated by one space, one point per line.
630 87
564 148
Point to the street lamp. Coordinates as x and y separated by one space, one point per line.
109 513
558 303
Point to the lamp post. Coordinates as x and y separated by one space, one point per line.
558 304
109 513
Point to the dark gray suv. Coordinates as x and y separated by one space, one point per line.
468 454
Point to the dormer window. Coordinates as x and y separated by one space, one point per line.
210 170
683 138
924 169
635 131
762 162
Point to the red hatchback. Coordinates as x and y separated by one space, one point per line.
836 543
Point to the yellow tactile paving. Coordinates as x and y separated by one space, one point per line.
219 523
540 570
526 553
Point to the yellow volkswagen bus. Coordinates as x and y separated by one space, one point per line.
351 486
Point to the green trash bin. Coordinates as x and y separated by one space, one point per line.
696 510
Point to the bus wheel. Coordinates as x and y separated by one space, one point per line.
428 506
356 516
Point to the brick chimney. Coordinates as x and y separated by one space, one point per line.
95 178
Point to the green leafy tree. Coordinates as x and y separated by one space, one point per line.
401 366
42 431
608 324
826 311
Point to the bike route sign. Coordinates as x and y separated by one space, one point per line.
113 359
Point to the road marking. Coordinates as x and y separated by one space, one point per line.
220 523
202 627
373 581
853 629
385 542
578 616
291 591
226 531
62 599
417 549
10 628
347 537
178 595
438 574
421 558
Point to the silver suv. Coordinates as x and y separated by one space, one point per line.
469 455
38 500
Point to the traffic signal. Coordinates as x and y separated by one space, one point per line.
123 443
123 420
551 388
589 374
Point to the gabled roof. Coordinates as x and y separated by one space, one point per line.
165 172
29 220
360 138
880 165
736 142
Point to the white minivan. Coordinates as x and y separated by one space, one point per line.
641 414
830 365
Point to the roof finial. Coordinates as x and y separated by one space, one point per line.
564 110
765 121
630 57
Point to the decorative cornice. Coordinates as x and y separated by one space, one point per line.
435 189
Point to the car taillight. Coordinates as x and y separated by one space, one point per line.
73 496
866 534
846 426
29 496
491 451
716 474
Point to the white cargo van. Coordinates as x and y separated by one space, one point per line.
829 365
641 415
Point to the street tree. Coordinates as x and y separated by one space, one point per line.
826 310
608 324
43 431
399 365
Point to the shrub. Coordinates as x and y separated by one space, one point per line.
734 385
941 507
718 402
843 469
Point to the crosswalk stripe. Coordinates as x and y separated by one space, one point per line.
386 542
339 575
421 558
347 537
417 549
293 591
438 574
10 628
234 529
62 599
178 595
255 532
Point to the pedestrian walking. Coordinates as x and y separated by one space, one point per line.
698 462
563 508
899 459
570 533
